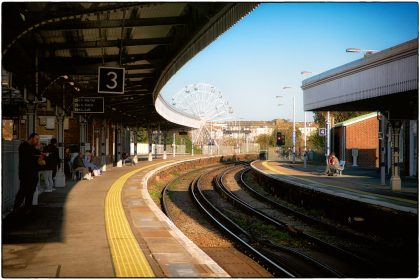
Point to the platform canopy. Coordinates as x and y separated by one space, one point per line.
385 81
45 40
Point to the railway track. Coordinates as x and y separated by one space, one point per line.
314 257
277 259
372 258
177 203
281 224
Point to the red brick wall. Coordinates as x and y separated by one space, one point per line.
363 136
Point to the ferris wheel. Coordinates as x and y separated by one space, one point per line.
205 102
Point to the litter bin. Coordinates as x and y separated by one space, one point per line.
263 155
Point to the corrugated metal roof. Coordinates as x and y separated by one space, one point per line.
112 51
113 33
90 34
94 52
167 10
138 71
79 37
53 36
63 53
139 49
143 32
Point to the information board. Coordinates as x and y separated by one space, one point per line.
88 105
111 80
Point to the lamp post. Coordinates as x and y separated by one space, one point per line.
240 134
294 127
305 155
356 50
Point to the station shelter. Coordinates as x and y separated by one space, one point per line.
90 74
384 82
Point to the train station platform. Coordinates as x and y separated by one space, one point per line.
355 183
105 227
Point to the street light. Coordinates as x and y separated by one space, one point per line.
294 126
305 156
304 72
367 52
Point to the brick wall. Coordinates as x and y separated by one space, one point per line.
72 135
363 136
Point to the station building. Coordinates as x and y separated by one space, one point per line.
90 73
385 82
361 134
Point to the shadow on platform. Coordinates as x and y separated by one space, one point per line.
42 224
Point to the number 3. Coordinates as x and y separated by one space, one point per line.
114 80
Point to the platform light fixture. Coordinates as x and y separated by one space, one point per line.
305 156
354 50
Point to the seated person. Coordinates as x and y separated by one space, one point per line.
87 161
78 165
125 158
333 164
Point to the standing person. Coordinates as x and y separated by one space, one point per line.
47 170
55 158
67 163
28 172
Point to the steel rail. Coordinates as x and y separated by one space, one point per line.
234 231
301 215
236 201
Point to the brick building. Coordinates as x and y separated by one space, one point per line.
358 133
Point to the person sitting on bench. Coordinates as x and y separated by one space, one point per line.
332 164
125 158
79 166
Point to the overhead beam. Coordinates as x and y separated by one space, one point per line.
64 62
89 70
77 24
140 75
107 43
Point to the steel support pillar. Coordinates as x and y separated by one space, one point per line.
157 141
83 125
30 119
382 151
103 145
174 145
118 132
60 179
165 136
135 157
150 155
395 178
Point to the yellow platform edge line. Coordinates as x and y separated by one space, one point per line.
127 256
266 165
131 257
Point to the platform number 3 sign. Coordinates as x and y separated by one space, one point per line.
111 80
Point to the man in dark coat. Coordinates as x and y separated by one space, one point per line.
28 172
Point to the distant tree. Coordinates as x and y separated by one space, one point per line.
265 141
317 142
336 117
142 136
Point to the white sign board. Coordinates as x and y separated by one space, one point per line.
322 132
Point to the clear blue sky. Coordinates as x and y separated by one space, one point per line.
266 50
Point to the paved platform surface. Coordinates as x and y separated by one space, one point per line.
355 183
66 234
